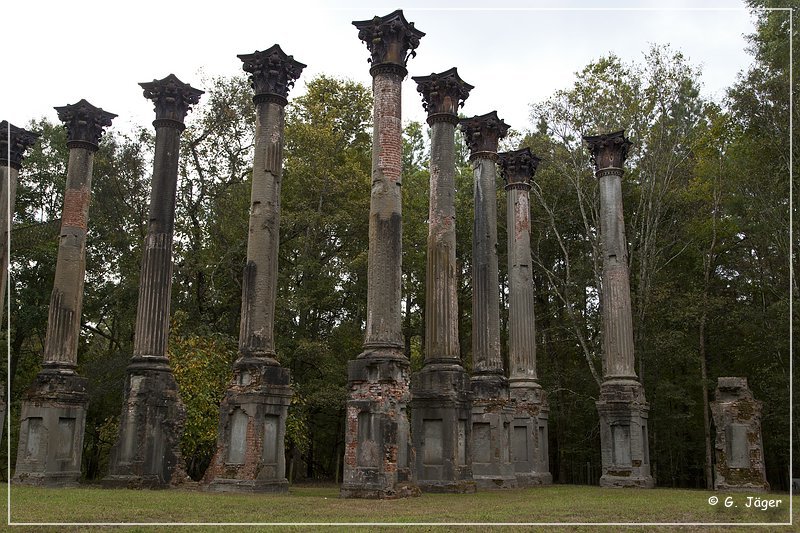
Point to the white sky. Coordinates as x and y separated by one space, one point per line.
514 53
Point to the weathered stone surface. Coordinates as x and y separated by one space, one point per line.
53 419
389 39
272 72
492 410
85 124
442 428
621 406
739 450
442 418
529 431
147 451
529 436
252 427
378 452
54 407
14 142
623 435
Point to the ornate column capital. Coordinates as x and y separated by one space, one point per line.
482 133
84 123
442 95
518 167
173 99
609 151
272 73
14 140
391 40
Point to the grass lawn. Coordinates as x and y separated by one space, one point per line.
557 503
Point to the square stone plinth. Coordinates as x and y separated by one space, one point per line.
252 431
147 451
441 420
623 435
739 451
378 452
529 436
53 420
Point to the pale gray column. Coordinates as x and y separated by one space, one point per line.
518 168
13 143
257 398
492 410
147 451
482 134
441 424
529 429
173 99
378 451
54 407
621 406
442 95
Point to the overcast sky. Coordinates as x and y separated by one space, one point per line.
514 53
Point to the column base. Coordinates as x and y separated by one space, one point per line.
378 450
623 435
53 420
147 451
492 413
739 451
252 430
442 428
529 434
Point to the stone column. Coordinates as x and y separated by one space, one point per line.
441 422
54 406
377 443
739 455
529 428
492 411
252 426
622 406
13 143
147 451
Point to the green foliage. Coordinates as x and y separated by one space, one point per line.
202 368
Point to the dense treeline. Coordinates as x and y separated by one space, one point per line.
706 200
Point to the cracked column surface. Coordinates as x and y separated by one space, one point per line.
492 411
622 406
377 444
53 413
13 143
529 431
147 451
252 426
441 420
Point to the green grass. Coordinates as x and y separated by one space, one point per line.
558 503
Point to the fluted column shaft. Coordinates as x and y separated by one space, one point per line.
521 324
8 194
441 302
66 299
384 324
616 299
486 356
155 285
256 337
13 143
